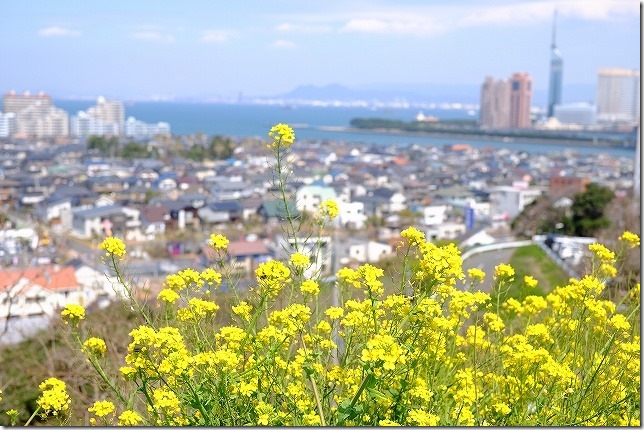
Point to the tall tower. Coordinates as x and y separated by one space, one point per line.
520 100
556 71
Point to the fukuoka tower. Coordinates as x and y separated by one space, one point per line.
556 71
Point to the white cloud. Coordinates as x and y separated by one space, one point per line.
215 36
58 31
283 44
288 27
541 11
154 36
420 27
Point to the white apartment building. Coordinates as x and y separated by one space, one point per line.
576 113
108 111
510 201
351 214
309 197
42 120
84 124
618 95
7 124
135 128
434 215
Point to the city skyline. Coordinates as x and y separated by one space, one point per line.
166 50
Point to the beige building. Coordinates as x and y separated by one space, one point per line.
108 111
14 103
495 103
506 104
618 95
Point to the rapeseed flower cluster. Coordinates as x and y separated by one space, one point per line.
113 247
95 346
73 313
282 135
435 352
54 398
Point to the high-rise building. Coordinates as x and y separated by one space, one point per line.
618 95
495 103
14 103
107 117
42 121
556 71
520 100
7 124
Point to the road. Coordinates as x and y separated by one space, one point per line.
487 261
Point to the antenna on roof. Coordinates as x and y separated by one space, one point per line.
554 30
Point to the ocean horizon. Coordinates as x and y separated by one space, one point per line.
320 123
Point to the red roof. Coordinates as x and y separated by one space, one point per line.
49 277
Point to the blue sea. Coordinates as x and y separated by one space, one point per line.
248 120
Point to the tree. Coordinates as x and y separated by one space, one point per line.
134 150
221 148
103 145
588 210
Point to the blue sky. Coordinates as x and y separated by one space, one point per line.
188 48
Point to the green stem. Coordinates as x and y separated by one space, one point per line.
32 416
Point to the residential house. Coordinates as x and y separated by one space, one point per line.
309 197
107 221
244 255
382 201
510 200
220 212
153 220
51 208
274 211
434 215
227 189
445 231
38 291
318 249
351 215
362 251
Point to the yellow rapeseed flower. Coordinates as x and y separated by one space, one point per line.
418 417
300 261
73 313
602 253
413 235
530 282
130 419
219 241
95 346
211 277
504 271
631 238
113 246
167 295
271 276
310 287
476 274
102 408
282 135
54 398
243 309
334 313
328 208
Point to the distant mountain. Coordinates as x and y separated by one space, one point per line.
422 93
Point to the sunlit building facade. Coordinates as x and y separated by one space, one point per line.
520 100
618 95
